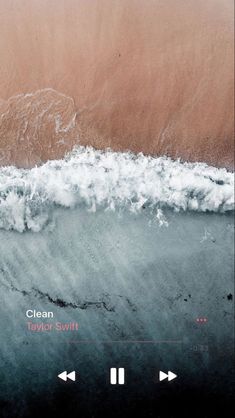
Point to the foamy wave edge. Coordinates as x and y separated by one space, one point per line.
110 180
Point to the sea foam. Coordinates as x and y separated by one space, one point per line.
110 180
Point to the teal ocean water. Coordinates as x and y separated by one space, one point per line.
133 249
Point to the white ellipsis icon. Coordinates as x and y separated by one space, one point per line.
117 376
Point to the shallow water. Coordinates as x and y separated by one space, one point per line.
135 286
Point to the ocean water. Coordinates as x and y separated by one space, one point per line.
134 249
112 181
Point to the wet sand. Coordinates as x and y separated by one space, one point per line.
153 76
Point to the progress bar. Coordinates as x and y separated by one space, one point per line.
125 341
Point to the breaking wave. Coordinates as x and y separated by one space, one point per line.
110 180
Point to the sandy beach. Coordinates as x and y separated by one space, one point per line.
153 76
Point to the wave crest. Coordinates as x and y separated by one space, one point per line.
110 180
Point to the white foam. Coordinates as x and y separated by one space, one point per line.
110 180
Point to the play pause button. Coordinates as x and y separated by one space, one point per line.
117 376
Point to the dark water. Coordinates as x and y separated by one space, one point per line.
136 290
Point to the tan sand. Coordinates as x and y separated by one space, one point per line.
146 75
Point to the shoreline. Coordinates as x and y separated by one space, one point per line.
155 77
30 138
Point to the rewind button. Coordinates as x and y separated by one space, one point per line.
64 376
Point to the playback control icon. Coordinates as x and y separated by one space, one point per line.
64 376
169 376
117 376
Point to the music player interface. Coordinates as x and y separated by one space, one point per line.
116 209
